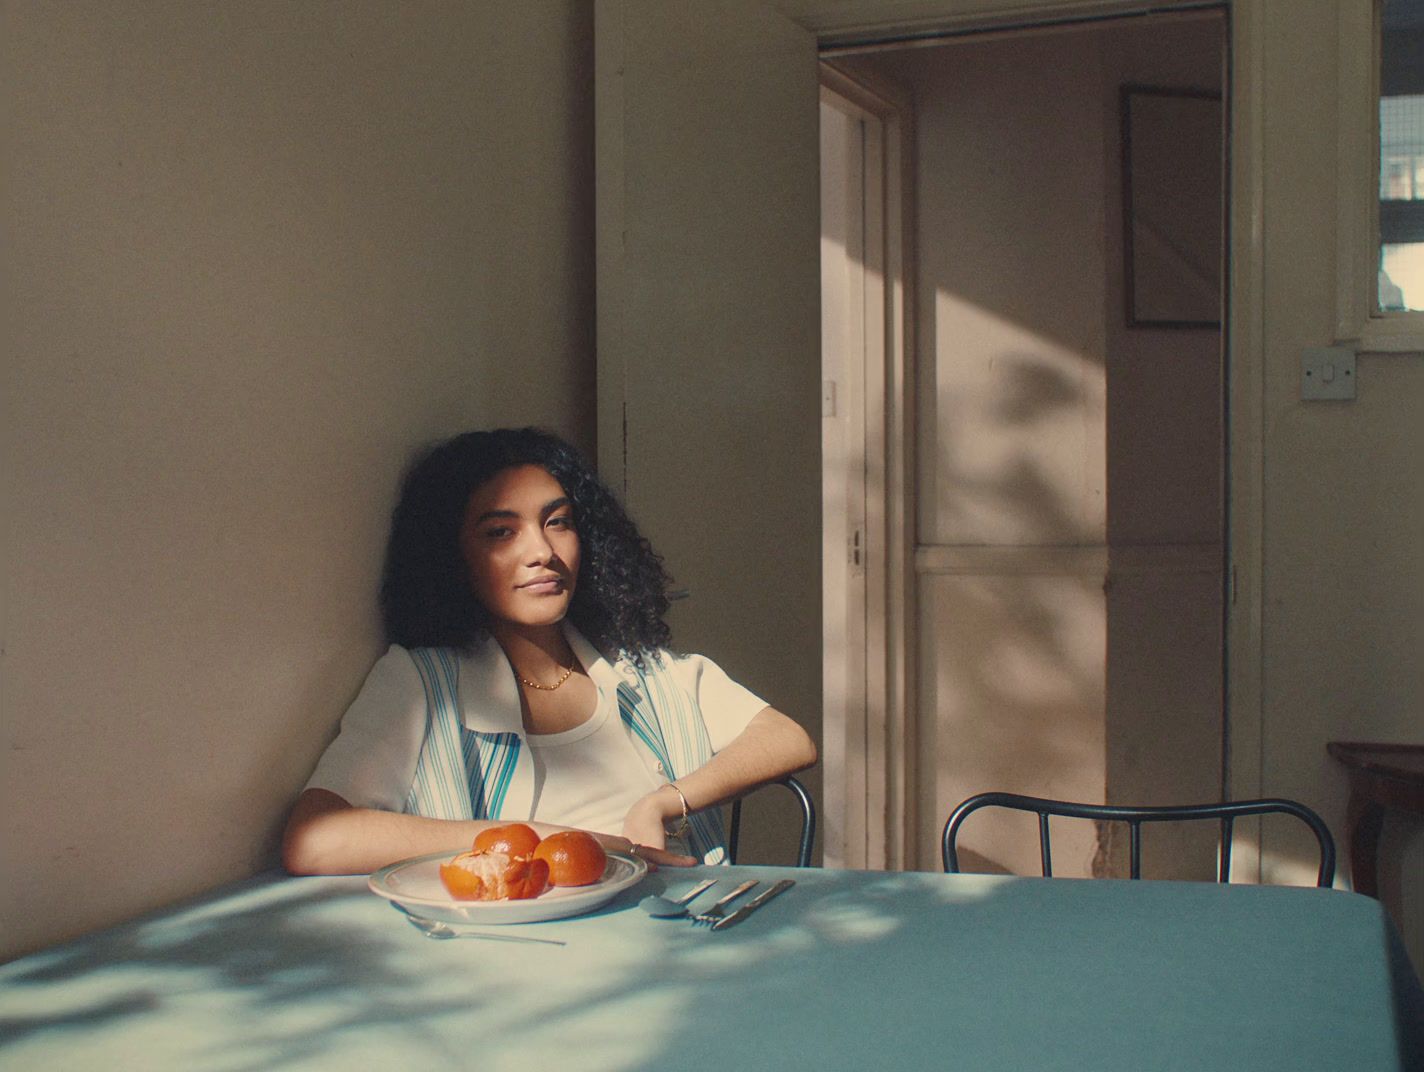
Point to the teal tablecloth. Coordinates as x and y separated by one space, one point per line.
850 970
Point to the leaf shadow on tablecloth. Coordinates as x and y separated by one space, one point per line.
288 977
165 986
886 970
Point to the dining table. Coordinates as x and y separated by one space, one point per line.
845 970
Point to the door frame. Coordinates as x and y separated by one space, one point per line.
865 23
885 726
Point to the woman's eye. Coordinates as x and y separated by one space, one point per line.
498 533
563 522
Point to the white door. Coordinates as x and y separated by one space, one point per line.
844 333
709 333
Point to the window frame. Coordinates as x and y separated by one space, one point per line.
1359 321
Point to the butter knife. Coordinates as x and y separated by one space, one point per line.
752 905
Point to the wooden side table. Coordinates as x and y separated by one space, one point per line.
1382 777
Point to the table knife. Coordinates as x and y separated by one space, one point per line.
752 905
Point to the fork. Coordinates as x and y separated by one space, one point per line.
718 910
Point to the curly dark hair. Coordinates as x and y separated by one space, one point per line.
426 596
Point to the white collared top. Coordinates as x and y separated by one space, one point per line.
439 732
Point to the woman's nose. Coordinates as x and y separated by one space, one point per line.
537 549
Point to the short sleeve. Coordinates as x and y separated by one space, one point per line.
726 706
372 761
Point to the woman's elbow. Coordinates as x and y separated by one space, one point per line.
301 854
798 749
806 751
305 849
787 739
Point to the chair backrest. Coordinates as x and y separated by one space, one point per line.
808 822
1226 813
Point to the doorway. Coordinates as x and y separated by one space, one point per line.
1065 450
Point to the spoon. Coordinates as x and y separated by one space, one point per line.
434 929
675 908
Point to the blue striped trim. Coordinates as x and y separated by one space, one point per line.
504 755
676 735
479 748
474 772
440 788
647 729
461 773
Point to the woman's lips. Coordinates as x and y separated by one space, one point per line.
547 586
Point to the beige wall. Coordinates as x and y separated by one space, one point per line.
259 252
709 334
1165 499
1343 617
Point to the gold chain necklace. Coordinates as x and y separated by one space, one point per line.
545 688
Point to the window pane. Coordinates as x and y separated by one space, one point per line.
1401 283
1401 173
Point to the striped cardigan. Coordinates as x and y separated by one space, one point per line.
465 773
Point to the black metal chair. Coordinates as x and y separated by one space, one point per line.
808 822
1226 813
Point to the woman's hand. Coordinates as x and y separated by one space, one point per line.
643 827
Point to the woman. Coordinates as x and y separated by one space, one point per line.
528 679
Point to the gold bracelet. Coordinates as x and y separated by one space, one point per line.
683 824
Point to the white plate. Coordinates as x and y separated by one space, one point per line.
415 885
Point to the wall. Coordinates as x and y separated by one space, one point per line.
708 335
258 254
1070 468
1165 499
1343 519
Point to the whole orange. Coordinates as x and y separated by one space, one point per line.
516 839
575 858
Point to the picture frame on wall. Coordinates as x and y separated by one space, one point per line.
1173 197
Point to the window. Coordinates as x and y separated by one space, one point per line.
1400 286
1380 176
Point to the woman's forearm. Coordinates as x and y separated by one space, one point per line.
327 836
771 747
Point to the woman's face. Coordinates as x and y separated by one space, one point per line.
522 549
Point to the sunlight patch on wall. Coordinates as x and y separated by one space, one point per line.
1022 432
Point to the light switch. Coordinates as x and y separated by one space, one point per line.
1327 373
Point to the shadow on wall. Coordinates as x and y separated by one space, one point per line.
1012 649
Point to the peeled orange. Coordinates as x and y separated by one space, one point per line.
493 876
